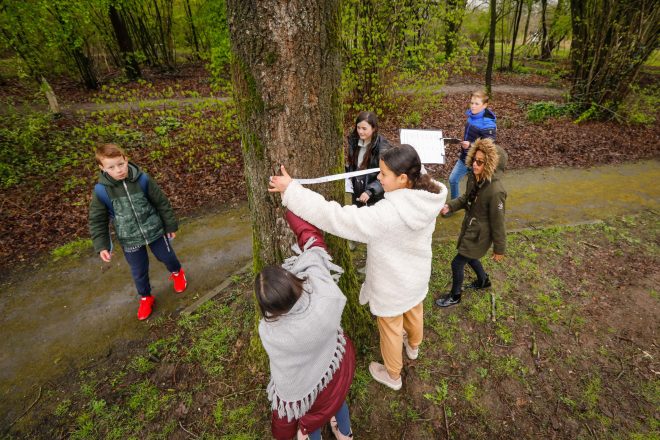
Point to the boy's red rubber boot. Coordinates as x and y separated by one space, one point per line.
179 279
146 305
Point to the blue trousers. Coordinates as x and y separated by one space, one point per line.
459 171
343 423
458 272
138 260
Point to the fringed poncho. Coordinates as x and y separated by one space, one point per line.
306 345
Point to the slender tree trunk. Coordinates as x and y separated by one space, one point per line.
545 53
286 76
502 37
129 62
491 46
516 23
529 14
193 31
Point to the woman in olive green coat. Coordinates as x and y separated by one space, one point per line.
483 225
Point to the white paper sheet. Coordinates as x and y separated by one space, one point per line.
428 143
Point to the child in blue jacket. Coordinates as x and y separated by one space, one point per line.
481 123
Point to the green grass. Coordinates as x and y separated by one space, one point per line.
73 248
471 369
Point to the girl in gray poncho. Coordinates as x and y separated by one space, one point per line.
312 362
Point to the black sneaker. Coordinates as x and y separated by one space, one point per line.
448 300
476 285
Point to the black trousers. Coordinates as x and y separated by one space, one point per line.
458 272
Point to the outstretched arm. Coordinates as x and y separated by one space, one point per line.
304 231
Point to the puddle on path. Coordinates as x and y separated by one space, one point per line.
68 313
561 196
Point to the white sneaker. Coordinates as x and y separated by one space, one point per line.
380 375
410 352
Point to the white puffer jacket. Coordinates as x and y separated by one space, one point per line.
397 231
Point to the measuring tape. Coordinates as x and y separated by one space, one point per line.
337 176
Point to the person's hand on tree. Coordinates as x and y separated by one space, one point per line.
364 197
498 257
105 255
279 183
445 209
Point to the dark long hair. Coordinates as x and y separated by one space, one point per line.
403 159
372 120
277 290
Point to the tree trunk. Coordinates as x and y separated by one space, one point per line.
610 43
53 105
455 10
491 46
502 37
286 81
529 14
193 31
545 53
516 24
130 64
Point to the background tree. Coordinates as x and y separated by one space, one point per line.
125 43
286 75
455 10
516 22
491 46
611 41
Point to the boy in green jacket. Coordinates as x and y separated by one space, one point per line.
142 216
483 225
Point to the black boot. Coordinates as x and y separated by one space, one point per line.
478 285
448 300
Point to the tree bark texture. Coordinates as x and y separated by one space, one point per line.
611 41
286 78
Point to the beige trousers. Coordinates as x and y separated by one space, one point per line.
391 336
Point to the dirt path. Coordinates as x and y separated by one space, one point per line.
449 89
69 313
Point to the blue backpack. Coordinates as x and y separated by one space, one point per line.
102 193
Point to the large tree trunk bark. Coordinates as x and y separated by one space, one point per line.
491 46
131 66
286 77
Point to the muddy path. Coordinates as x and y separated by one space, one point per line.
67 314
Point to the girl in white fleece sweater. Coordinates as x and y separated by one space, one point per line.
397 231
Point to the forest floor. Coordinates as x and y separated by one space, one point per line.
564 346
194 151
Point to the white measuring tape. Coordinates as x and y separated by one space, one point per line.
337 176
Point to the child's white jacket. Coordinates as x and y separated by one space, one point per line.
398 232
